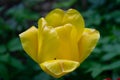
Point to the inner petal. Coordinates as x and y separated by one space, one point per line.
55 17
68 48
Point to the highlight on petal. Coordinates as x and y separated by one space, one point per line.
73 17
87 42
29 40
41 24
54 18
58 68
47 41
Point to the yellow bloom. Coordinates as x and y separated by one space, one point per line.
60 43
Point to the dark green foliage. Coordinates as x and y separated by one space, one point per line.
18 15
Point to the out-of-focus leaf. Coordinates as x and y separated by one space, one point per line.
12 23
108 56
4 58
2 48
95 69
115 75
108 48
1 8
62 78
116 16
98 69
111 51
116 32
64 4
24 77
104 40
16 63
11 61
21 14
112 66
118 1
32 3
41 76
97 50
14 44
113 16
92 18
96 3
4 72
3 25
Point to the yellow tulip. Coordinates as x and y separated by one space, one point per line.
60 43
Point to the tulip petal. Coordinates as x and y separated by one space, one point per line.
55 17
29 40
68 49
73 17
87 42
47 41
58 68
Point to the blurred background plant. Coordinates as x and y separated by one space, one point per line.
18 15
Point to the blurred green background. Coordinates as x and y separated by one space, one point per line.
17 16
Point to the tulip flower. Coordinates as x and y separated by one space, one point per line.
60 43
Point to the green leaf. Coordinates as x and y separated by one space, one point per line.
42 75
115 74
14 44
4 58
111 51
32 3
16 63
95 69
113 65
104 40
3 26
22 12
108 56
92 18
118 1
4 72
96 3
2 48
64 4
9 60
115 15
1 8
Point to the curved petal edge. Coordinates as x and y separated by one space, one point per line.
58 68
29 40
88 42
